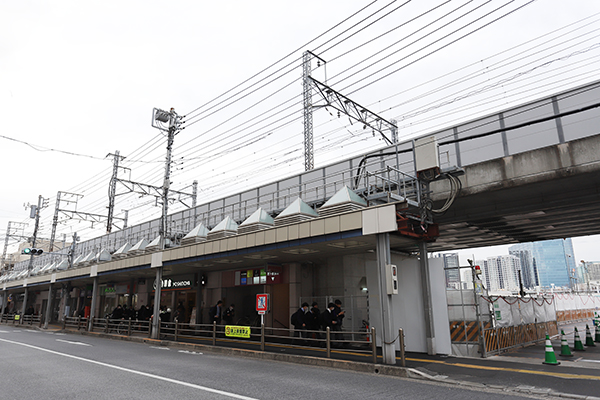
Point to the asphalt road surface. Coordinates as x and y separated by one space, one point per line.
50 365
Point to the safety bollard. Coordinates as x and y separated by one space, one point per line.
328 337
214 339
129 327
64 322
106 325
401 342
374 345
78 323
176 330
262 337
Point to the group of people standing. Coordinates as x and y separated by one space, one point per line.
218 313
313 319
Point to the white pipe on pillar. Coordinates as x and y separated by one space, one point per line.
388 346
427 300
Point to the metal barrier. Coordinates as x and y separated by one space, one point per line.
500 339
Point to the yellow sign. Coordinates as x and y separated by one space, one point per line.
237 331
17 317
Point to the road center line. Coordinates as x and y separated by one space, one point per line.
70 342
162 378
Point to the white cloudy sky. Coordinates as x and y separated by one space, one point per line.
78 80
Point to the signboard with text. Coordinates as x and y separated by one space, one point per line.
269 275
237 331
261 303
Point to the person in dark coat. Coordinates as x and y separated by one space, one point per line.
339 317
117 312
229 315
298 320
329 318
216 312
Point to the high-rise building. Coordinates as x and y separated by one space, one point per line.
529 272
451 265
552 261
500 272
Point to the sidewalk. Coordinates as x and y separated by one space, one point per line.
523 369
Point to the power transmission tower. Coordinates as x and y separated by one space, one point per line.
112 190
12 231
66 199
309 162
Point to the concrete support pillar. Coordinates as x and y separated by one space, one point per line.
388 347
157 290
94 304
25 295
48 307
4 298
427 300
198 300
63 303
131 293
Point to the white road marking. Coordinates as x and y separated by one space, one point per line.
132 371
77 343
4 332
189 352
596 361
31 330
59 334
159 348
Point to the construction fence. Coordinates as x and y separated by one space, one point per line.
575 307
506 322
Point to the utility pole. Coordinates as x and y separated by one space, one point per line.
35 213
159 119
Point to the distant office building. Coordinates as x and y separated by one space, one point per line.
591 270
529 272
552 261
500 272
451 265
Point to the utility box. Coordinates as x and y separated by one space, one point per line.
427 160
391 278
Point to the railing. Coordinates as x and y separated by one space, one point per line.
18 319
75 323
362 342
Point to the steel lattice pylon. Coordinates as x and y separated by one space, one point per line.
308 118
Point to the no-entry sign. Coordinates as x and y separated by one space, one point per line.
261 303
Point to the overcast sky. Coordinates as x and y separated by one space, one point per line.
79 80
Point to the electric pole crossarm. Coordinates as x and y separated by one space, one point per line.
353 110
147 190
87 217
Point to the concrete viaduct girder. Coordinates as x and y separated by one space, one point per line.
547 193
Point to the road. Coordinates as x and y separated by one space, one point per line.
52 365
